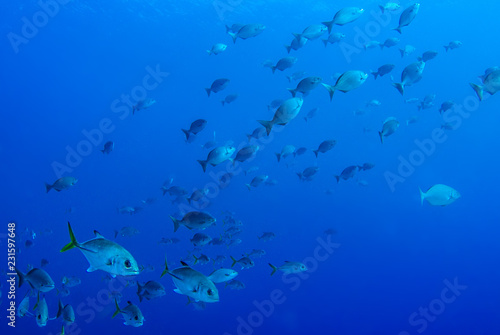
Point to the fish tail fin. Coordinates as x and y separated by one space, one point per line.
381 8
228 29
330 89
273 68
381 46
47 187
164 189
116 233
398 29
300 177
20 275
289 78
222 102
479 91
381 137
329 24
293 91
278 155
446 48
325 42
118 310
422 196
133 110
316 153
209 52
187 133
273 267
176 223
375 74
234 261
203 165
249 137
233 36
249 187
165 271
73 242
60 308
338 178
195 259
297 36
402 52
288 48
400 87
102 150
267 124
139 291
209 90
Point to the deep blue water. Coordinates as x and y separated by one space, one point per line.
392 258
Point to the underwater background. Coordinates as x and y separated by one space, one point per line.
385 259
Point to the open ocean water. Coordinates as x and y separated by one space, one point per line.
372 259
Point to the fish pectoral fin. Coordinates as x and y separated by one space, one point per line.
176 290
91 269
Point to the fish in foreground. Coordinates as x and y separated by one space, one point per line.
407 16
192 283
410 75
143 104
285 113
194 220
103 254
132 315
61 184
390 126
348 81
108 147
289 267
217 156
439 195
38 279
222 275
491 84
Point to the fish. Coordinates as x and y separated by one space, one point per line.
308 173
41 312
389 127
348 172
312 32
217 156
24 306
217 85
63 292
371 45
283 64
373 103
390 42
71 281
325 146
198 195
348 81
225 179
344 16
383 70
245 262
267 236
234 28
427 103
229 99
194 220
246 153
305 86
175 191
289 267
108 147
410 75
38 280
200 239
257 181
126 232
439 195
366 166
150 290
285 113
287 150
487 72
407 16
67 312
300 151
235 285
333 38
222 275
143 104
61 184
103 254
217 49
192 283
491 84
453 45
195 127
256 253
127 210
296 43
427 56
257 133
132 315
408 49
247 31
389 6
295 76
311 114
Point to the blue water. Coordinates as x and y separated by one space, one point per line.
389 267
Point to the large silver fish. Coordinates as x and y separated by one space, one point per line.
410 75
491 84
104 255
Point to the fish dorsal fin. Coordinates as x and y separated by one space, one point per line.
184 264
97 234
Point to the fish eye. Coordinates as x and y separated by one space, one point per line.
39 316
127 264
209 292
136 317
